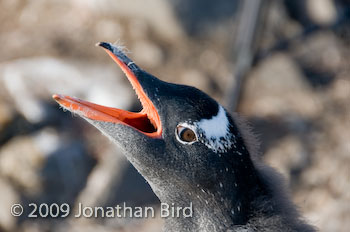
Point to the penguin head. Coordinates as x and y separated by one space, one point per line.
181 136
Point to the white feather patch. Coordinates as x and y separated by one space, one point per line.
214 132
216 127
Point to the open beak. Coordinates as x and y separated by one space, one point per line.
147 121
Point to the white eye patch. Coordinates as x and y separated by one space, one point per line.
216 127
214 132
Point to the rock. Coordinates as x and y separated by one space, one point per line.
8 197
322 12
289 154
20 161
65 172
162 20
276 87
341 90
322 52
31 81
109 30
196 78
47 140
6 113
106 173
147 54
326 180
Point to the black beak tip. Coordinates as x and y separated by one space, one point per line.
105 45
117 51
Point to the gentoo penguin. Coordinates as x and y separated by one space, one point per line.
192 153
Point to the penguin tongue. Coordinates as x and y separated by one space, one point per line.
147 121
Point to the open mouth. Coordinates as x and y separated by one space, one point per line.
147 121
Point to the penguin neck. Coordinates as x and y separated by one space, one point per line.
220 204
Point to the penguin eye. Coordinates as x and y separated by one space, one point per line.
186 134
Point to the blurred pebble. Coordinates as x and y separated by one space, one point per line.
341 89
322 51
31 81
47 140
209 59
138 29
276 87
20 160
147 54
288 154
109 30
322 11
6 113
194 77
106 172
9 196
162 20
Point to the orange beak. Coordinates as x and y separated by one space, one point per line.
147 121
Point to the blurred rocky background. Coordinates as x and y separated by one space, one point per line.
294 90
